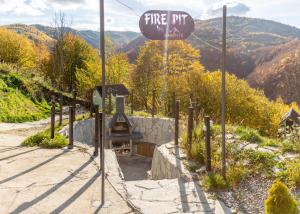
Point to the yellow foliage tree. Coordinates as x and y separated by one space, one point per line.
16 49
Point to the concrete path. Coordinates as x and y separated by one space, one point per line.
34 180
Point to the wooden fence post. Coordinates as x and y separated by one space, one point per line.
207 144
177 122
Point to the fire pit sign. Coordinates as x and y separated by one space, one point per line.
166 25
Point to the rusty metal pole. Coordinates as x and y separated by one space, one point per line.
153 103
96 151
71 131
223 101
174 104
74 104
131 102
190 130
207 144
177 122
52 117
103 64
109 103
61 103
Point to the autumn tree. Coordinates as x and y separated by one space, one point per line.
162 66
16 49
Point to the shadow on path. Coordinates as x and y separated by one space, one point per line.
182 190
32 168
2 159
27 205
76 195
10 148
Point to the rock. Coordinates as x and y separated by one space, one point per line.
252 146
263 149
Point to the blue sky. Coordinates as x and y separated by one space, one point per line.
83 14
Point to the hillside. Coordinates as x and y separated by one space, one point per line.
245 37
38 37
119 38
17 104
279 75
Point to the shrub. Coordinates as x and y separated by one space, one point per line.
57 142
249 135
293 173
43 140
258 160
214 182
235 174
280 201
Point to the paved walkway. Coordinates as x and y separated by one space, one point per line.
37 181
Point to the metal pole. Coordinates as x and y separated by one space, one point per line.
74 104
131 102
190 130
102 51
61 103
71 133
176 122
223 116
207 144
97 129
174 104
153 103
52 117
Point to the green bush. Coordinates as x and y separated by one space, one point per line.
293 173
249 135
58 142
236 174
280 201
214 182
260 161
43 140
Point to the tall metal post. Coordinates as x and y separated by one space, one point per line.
74 103
153 103
223 116
61 103
207 144
190 130
102 51
71 131
131 102
176 122
52 117
173 104
97 129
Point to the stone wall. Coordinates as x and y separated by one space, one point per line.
167 163
154 130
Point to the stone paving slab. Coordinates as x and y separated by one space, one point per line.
37 181
171 196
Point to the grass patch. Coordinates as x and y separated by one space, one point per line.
16 105
249 135
214 182
43 140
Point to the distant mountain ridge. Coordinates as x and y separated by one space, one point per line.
119 38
